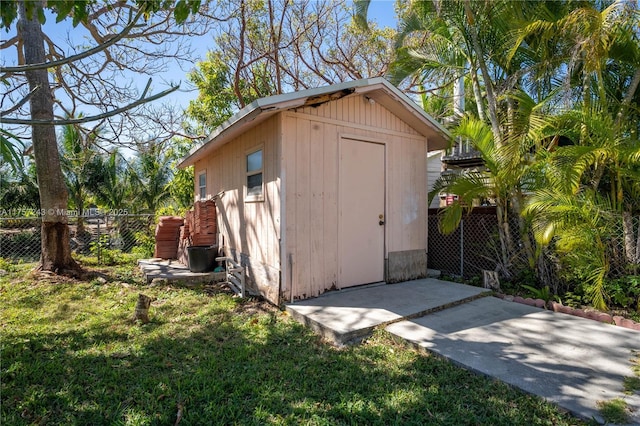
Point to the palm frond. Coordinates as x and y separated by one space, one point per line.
361 11
595 289
10 150
450 217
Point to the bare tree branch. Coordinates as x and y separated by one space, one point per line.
111 113
20 103
73 58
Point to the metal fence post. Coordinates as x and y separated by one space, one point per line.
99 244
462 247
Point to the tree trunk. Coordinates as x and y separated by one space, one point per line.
55 249
239 65
458 95
506 245
492 102
275 42
529 247
477 94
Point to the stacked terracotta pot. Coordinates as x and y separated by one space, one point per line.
167 234
205 228
200 229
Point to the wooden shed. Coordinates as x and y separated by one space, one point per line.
322 189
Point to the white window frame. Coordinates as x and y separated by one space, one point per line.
251 198
202 189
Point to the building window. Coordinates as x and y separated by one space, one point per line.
202 185
254 176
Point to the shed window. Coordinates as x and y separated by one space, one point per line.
254 176
202 185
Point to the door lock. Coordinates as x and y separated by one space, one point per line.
381 221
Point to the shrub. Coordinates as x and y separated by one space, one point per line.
624 292
144 244
23 245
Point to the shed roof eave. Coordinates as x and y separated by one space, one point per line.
380 89
246 114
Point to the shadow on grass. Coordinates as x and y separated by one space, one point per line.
225 362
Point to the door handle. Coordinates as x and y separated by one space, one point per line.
381 221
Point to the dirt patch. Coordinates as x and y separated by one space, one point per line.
217 288
47 277
255 306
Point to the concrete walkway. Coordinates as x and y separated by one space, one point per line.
573 362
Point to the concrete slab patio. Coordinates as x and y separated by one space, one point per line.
573 362
175 272
346 315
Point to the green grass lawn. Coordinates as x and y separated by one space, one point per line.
71 355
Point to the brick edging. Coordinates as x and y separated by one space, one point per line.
560 308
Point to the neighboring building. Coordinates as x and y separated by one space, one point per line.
460 158
434 169
322 189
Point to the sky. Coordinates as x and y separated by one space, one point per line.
383 13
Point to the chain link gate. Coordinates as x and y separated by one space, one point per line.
96 235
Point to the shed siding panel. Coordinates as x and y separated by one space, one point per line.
392 195
249 229
330 207
316 213
288 162
310 166
302 210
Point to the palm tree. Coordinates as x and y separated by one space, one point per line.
151 174
508 173
491 183
19 190
441 41
434 49
77 153
593 186
108 180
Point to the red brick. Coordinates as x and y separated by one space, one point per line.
604 317
555 306
617 319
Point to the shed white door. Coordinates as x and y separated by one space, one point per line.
361 186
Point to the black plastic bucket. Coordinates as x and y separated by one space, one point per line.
202 258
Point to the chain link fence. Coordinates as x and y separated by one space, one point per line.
470 249
475 246
101 236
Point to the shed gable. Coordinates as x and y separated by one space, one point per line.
360 110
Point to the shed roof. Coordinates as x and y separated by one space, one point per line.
378 89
